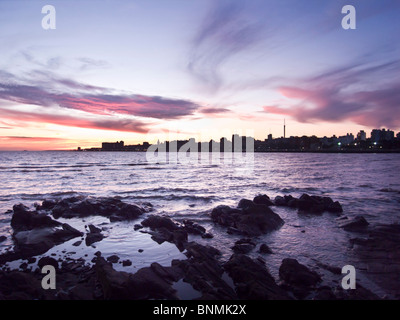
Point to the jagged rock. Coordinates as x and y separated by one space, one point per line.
113 208
296 274
263 199
23 219
355 224
248 219
252 279
166 230
126 263
264 249
157 222
203 271
93 237
113 259
147 283
243 246
45 261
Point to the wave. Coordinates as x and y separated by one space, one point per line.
171 197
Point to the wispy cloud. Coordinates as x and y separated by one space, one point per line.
226 31
357 93
50 91
101 123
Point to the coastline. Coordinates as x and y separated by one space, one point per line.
203 271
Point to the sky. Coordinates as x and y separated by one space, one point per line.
145 70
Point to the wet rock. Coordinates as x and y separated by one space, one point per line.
137 227
126 263
263 199
207 235
45 261
203 271
113 208
296 274
93 237
113 259
193 228
3 238
248 219
243 246
93 229
332 269
23 219
164 229
252 279
77 243
38 241
16 285
264 249
357 223
157 222
145 284
379 252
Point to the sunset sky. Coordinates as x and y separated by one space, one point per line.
127 70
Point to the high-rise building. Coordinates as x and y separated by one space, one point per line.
362 136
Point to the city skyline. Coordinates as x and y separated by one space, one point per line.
128 70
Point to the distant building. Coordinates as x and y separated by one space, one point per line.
112 146
378 135
362 136
346 140
270 137
398 136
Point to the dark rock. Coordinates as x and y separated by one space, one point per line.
243 246
126 263
263 199
17 285
3 238
245 203
48 204
207 235
45 261
93 237
23 266
332 269
280 201
140 250
252 279
113 208
77 243
156 222
193 228
31 260
113 259
355 224
294 273
137 227
23 219
250 219
324 293
264 249
203 271
39 240
379 252
145 284
93 229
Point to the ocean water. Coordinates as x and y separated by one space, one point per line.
366 184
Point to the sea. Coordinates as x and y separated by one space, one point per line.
365 184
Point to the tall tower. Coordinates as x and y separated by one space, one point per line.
284 128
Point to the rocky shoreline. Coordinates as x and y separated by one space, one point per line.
36 231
